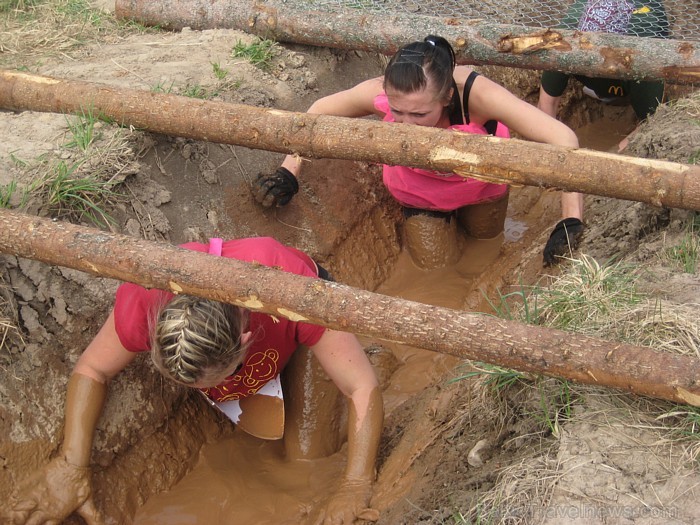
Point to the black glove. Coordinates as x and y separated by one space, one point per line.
276 188
564 239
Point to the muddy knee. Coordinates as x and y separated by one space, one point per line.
432 241
484 220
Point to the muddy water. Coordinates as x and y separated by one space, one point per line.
244 480
249 480
604 134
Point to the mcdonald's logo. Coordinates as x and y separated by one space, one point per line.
616 90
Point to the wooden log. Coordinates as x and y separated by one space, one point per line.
321 136
466 335
475 41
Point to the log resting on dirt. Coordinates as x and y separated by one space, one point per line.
511 161
467 335
475 41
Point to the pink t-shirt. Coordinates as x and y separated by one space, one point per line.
432 190
276 338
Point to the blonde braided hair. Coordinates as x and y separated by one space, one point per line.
194 337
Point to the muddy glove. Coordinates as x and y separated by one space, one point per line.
564 239
345 505
276 188
52 494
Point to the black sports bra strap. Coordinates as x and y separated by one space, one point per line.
456 115
465 97
490 125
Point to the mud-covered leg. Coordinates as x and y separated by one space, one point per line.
432 240
315 410
485 220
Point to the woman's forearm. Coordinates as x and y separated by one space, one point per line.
293 164
365 424
85 400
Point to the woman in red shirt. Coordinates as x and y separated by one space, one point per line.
220 349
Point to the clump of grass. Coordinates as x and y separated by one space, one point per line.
556 404
219 72
8 192
604 300
687 253
67 194
686 422
520 305
31 29
16 5
20 163
83 181
163 87
83 131
9 318
195 91
694 157
549 400
259 53
495 378
585 298
81 10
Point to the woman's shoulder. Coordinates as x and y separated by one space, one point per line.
368 89
461 73
372 85
356 101
370 94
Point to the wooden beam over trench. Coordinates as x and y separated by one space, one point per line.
478 41
511 161
466 335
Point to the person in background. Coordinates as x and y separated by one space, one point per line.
630 17
227 353
423 86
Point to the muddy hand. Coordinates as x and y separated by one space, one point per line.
276 188
52 494
346 505
563 240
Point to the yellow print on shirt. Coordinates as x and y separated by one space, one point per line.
617 91
260 367
257 370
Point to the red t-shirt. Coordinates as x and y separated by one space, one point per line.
276 338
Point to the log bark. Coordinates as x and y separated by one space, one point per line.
321 136
466 335
475 41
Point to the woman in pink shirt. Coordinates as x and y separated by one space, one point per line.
422 86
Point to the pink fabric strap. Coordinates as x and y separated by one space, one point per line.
215 246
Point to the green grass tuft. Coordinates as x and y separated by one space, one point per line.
259 53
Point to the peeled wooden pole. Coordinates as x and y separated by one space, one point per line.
530 349
475 41
320 136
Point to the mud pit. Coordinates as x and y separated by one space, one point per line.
155 438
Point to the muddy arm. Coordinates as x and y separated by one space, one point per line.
357 101
63 486
344 360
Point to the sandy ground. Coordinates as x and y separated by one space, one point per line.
609 464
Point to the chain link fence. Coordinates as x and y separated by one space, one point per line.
678 19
